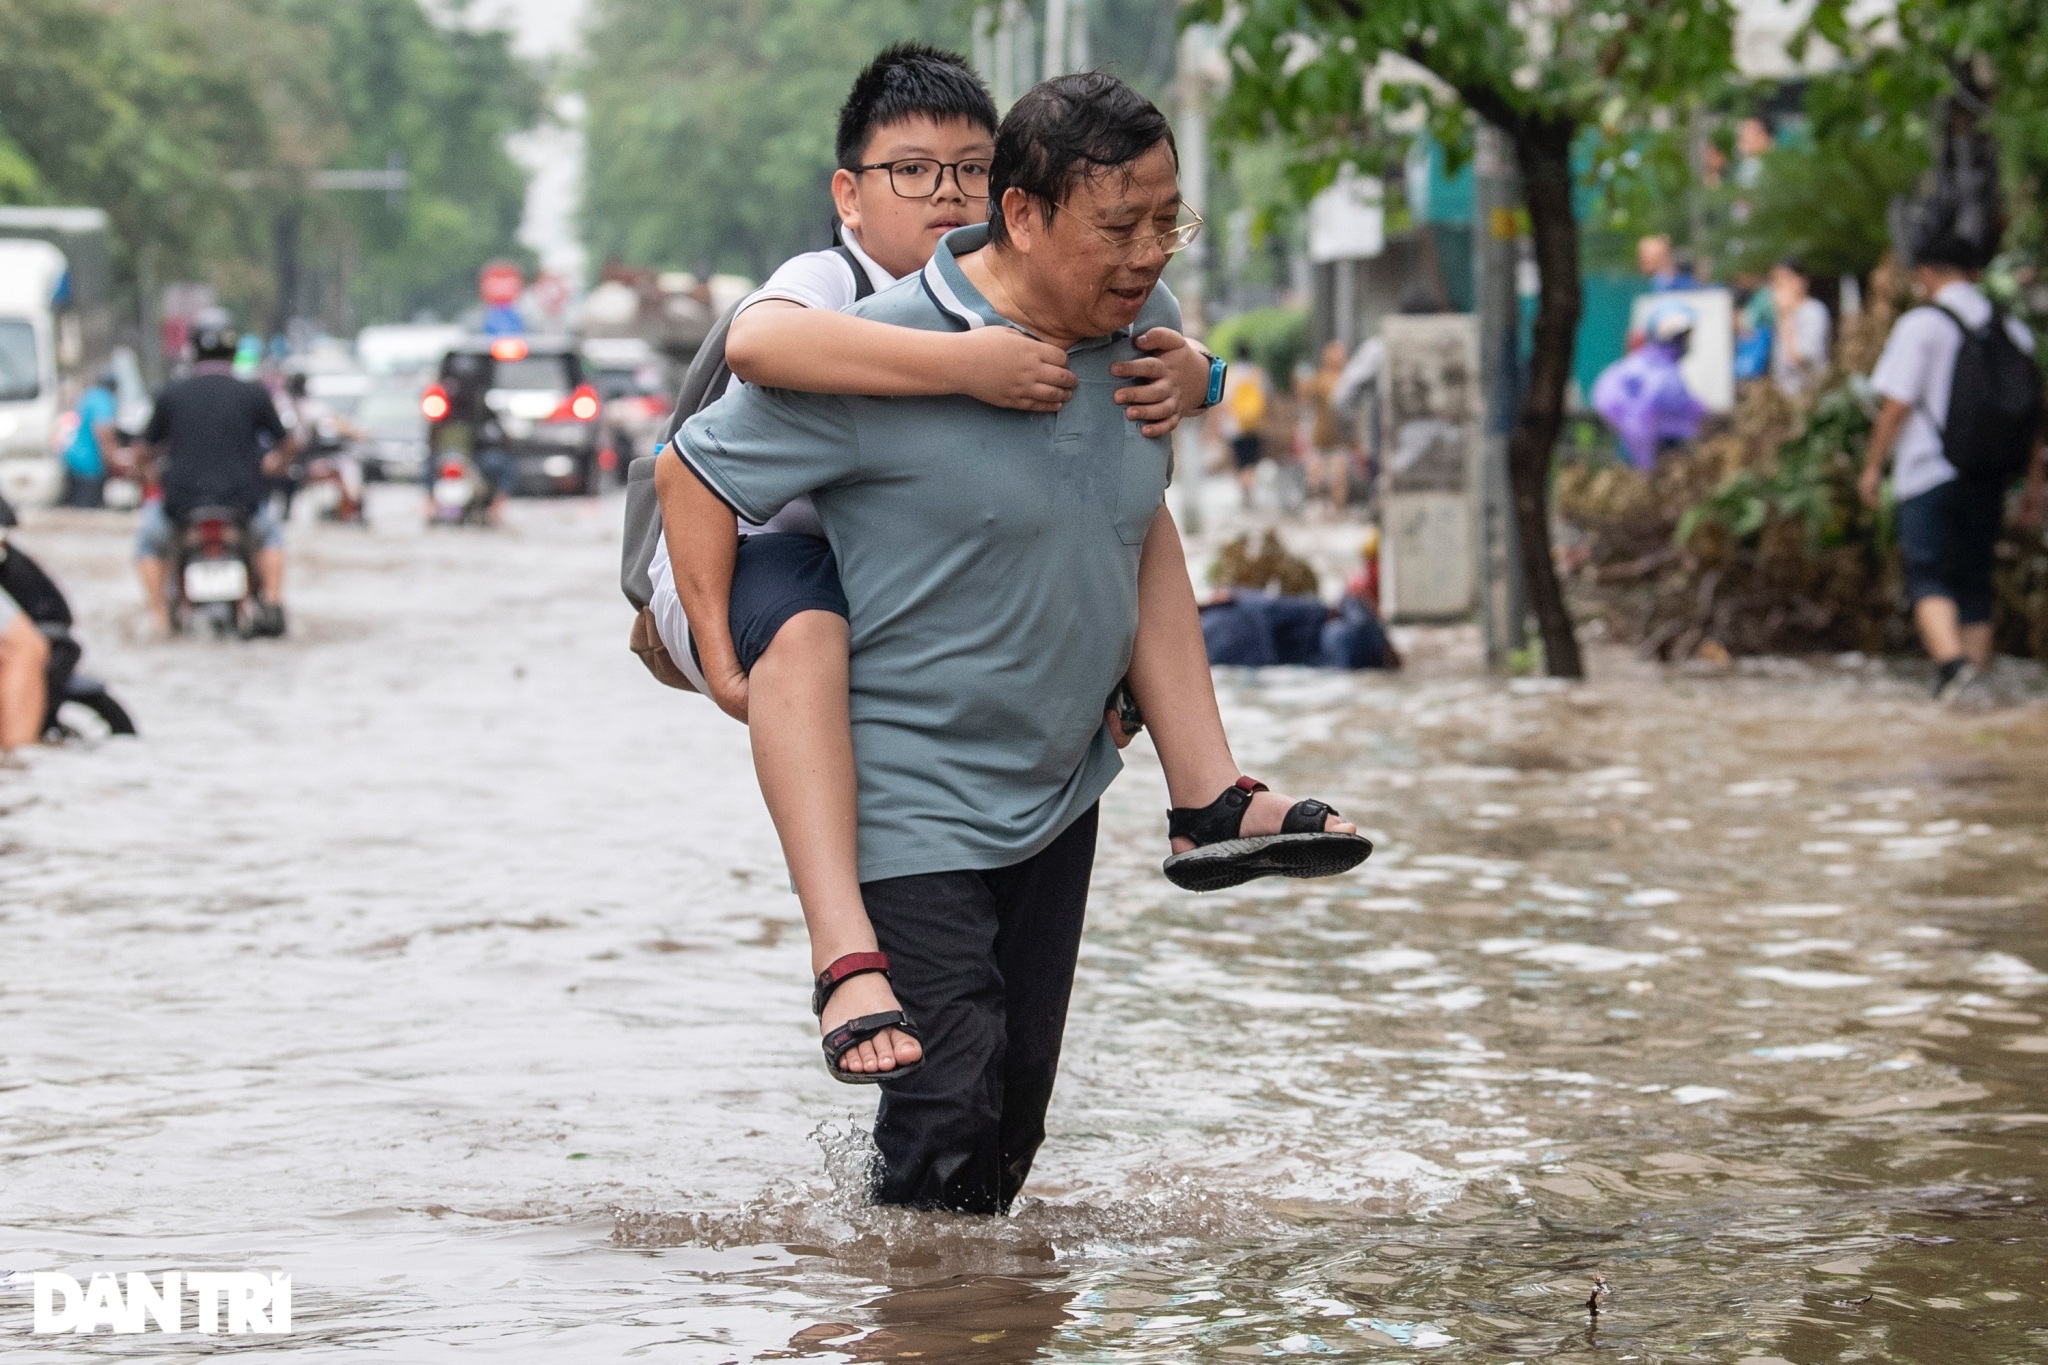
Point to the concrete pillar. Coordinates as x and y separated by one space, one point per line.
1501 607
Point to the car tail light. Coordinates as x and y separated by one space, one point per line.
434 403
607 459
580 406
213 536
508 348
452 470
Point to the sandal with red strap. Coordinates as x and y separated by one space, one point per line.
854 1032
1224 855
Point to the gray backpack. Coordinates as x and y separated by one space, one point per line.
703 384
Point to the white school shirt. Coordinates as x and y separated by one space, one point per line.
1918 363
816 279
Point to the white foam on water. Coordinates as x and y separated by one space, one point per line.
2007 970
1585 957
1807 980
1917 1005
1768 786
1700 1094
1650 897
1804 945
1381 961
1804 1052
1797 911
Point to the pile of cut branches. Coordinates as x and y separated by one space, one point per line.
1754 541
1751 541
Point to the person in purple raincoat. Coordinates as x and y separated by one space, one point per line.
1643 396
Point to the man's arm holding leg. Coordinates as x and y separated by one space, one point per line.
1170 677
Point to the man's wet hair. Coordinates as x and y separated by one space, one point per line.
906 81
1066 130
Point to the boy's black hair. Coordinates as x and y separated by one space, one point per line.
903 82
1065 130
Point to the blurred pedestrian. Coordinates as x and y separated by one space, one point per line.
1933 419
1246 396
1662 266
91 450
1329 443
1801 329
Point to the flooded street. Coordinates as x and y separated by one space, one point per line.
440 959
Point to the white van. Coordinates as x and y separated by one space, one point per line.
31 273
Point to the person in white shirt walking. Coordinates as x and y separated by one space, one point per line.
1949 521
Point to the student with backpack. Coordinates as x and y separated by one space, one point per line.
1961 422
916 146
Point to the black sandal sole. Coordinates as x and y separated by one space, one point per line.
872 1077
1233 862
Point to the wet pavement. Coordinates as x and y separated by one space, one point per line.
439 958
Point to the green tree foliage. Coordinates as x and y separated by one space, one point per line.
127 113
147 108
1304 70
710 122
443 98
1899 61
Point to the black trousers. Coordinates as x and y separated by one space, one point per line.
984 963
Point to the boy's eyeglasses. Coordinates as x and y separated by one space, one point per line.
919 177
1129 243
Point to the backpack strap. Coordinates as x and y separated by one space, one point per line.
1920 405
862 285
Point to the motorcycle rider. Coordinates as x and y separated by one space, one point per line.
323 436
209 430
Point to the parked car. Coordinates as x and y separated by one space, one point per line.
539 406
395 444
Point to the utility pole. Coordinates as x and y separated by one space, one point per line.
391 181
1495 230
1194 75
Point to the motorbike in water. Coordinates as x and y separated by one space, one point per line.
460 494
333 484
77 705
211 576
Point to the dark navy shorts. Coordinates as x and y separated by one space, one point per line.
777 575
1948 536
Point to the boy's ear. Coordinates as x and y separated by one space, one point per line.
846 197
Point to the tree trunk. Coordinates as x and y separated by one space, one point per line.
1543 157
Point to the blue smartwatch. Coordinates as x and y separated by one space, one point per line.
1218 368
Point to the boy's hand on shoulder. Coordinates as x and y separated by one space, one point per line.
1171 381
1006 369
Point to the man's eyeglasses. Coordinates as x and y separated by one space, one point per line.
919 177
1128 243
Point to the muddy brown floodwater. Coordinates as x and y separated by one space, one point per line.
440 959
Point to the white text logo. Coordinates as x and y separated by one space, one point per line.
253 1302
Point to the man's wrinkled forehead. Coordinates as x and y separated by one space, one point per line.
1148 183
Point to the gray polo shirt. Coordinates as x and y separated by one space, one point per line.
990 559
